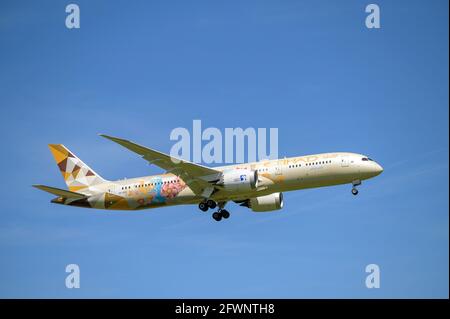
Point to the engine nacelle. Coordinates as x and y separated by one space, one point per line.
266 203
239 180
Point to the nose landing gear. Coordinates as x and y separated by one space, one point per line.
354 189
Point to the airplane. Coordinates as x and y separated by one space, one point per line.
258 185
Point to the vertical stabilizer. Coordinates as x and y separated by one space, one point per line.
76 174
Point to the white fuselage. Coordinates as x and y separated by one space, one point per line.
279 175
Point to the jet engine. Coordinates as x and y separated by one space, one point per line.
239 180
265 203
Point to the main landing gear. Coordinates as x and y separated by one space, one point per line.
354 189
221 212
205 205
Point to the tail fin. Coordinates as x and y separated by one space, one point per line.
76 174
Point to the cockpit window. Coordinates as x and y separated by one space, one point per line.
365 159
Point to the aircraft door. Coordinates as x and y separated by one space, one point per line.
112 189
278 168
345 161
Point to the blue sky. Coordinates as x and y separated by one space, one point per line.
311 68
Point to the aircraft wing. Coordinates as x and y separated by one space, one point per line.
197 177
60 192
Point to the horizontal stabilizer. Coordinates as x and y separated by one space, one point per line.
60 192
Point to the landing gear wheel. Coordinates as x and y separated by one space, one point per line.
203 206
217 216
354 191
225 214
211 204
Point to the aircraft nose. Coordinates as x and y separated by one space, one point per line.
378 169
